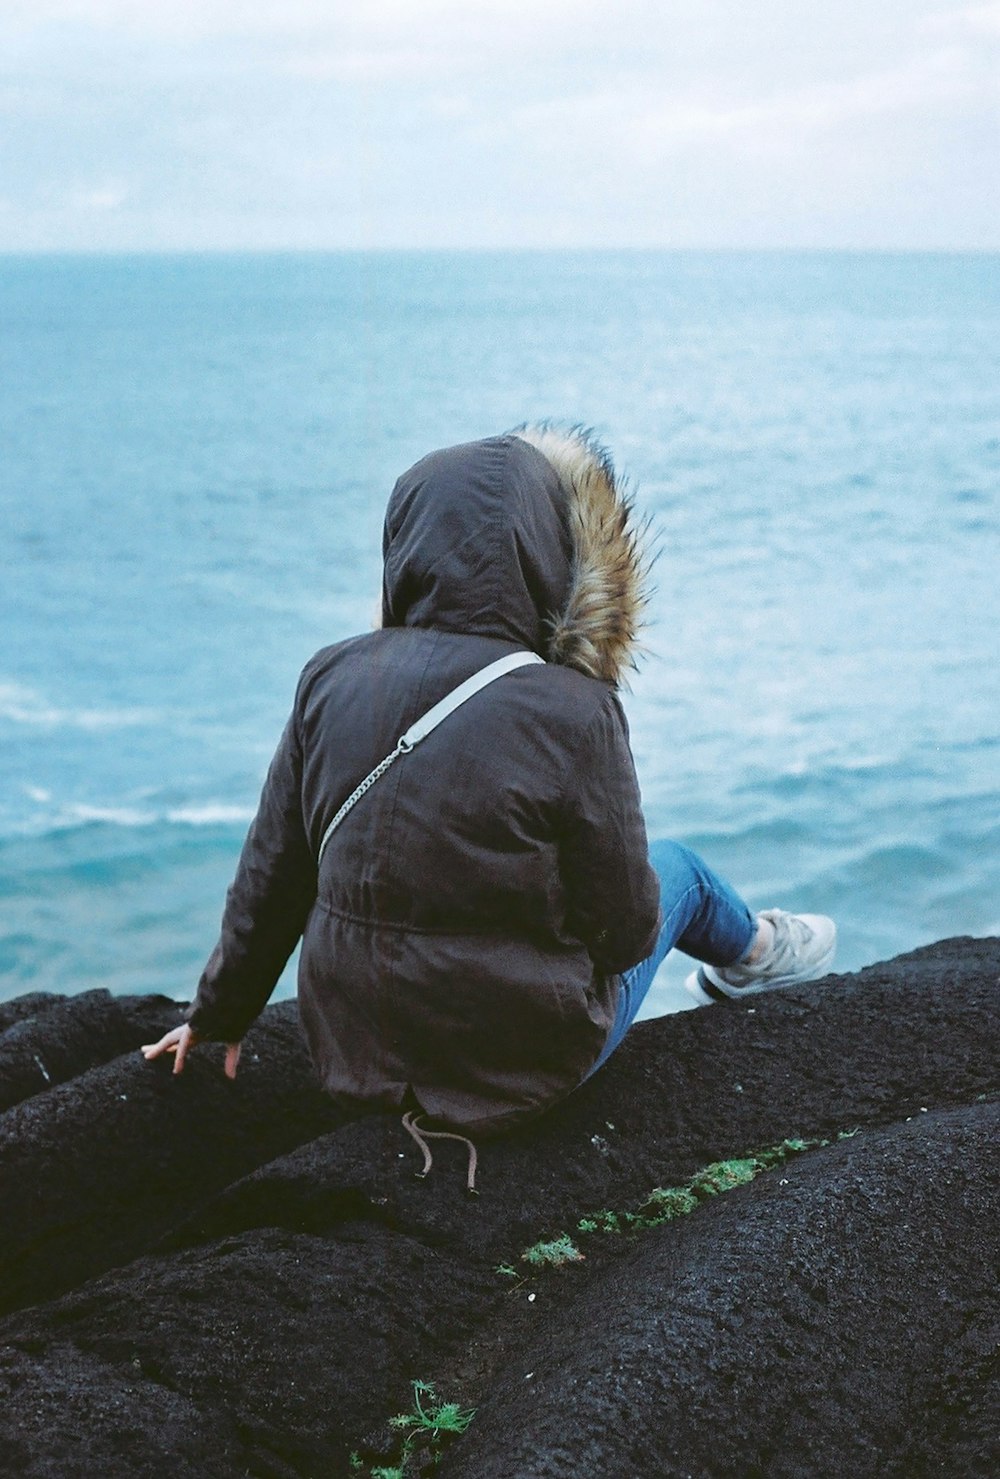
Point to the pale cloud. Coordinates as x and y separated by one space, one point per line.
402 23
471 122
965 20
105 197
353 65
646 126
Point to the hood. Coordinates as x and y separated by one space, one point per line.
526 537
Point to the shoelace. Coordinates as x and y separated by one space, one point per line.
421 1136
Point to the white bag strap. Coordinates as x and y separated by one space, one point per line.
422 727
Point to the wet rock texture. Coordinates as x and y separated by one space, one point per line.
216 1279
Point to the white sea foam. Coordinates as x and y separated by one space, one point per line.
22 705
55 816
209 814
206 814
119 816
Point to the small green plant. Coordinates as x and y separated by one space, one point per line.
507 1269
724 1175
426 1430
664 1203
436 1418
606 1222
552 1254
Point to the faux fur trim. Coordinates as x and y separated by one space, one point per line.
597 631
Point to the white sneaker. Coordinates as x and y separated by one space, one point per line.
802 950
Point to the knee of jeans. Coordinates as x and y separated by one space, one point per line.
676 866
704 884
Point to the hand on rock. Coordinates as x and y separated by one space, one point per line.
179 1040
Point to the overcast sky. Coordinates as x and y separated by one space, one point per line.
150 124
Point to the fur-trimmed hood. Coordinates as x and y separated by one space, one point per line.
527 537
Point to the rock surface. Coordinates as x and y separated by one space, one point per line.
231 1279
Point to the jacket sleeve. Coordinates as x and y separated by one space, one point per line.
612 892
266 907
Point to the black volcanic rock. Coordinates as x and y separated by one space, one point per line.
230 1279
837 1318
98 1167
32 1004
61 1037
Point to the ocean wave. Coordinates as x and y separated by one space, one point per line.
205 814
210 814
22 705
119 816
54 819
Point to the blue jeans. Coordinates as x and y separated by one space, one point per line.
702 915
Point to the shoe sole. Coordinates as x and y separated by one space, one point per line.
693 986
707 993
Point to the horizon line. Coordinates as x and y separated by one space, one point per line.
480 250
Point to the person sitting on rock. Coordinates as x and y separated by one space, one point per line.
480 925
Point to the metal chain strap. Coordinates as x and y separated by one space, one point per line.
402 748
425 724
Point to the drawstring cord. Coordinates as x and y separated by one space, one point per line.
421 1136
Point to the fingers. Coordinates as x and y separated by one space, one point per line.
166 1044
179 1041
184 1041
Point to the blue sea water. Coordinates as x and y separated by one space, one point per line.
196 452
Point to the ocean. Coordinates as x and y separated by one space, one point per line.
196 454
